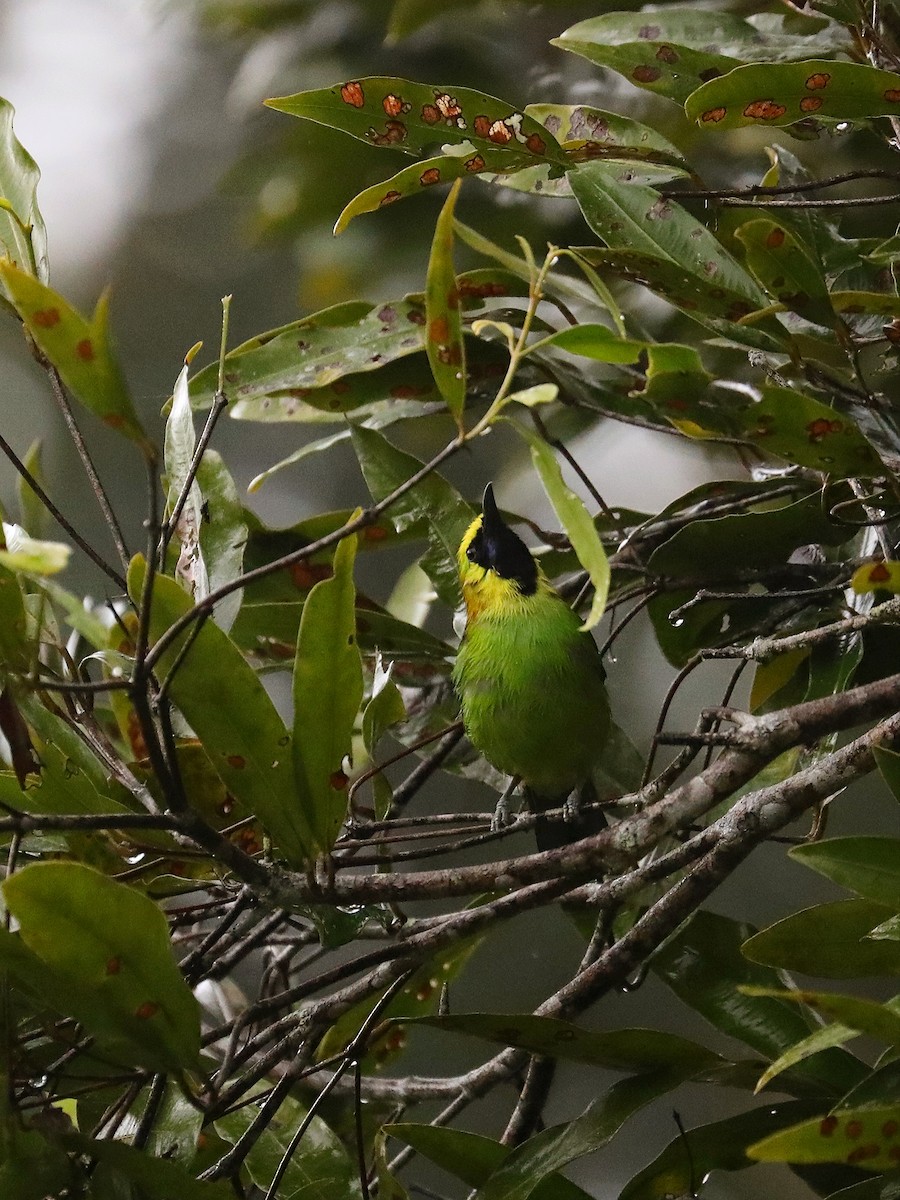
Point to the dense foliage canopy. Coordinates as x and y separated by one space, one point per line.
227 925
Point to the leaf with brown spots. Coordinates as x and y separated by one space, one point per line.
767 94
866 1137
443 331
224 702
327 690
23 235
109 946
79 349
412 117
422 176
782 265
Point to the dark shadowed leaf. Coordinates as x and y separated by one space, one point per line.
868 865
829 940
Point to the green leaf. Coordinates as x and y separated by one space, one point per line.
412 117
593 341
866 1137
79 350
575 520
23 235
119 1166
633 217
327 690
556 1147
32 1167
433 501
828 940
881 1187
223 533
30 556
720 1146
385 708
389 1186
444 341
107 938
35 516
15 654
704 966
230 711
426 174
712 547
785 269
473 1159
320 1168
822 1039
632 1050
781 93
889 766
867 865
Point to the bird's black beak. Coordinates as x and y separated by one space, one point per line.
492 522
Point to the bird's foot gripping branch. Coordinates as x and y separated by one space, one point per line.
226 915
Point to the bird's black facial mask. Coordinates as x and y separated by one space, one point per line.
496 548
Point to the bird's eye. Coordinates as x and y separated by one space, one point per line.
471 552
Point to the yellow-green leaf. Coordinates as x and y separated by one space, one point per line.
444 338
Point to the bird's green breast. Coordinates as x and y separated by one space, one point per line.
532 694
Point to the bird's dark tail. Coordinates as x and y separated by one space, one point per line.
580 820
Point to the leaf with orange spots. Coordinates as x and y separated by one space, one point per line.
23 235
881 576
111 945
79 349
429 173
226 705
443 329
327 690
803 430
867 1137
767 94
782 265
414 117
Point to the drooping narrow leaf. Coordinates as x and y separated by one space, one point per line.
781 93
226 705
180 440
35 517
327 688
23 235
79 349
426 174
411 117
444 339
575 520
108 938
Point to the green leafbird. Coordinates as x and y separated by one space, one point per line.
530 679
